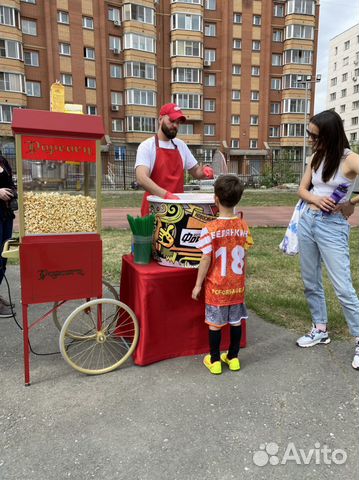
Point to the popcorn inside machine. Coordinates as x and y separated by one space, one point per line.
60 245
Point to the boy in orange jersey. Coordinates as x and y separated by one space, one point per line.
224 243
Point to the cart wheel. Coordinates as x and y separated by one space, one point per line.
99 336
60 314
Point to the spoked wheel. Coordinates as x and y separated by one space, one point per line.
60 313
99 336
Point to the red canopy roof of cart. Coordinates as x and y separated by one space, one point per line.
42 122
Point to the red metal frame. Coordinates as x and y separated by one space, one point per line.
56 268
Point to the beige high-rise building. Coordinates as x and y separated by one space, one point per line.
240 69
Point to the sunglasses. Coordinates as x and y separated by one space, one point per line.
313 136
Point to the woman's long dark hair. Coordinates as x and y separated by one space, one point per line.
331 142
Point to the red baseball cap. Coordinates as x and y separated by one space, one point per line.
173 111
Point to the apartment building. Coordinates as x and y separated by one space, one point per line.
242 70
343 80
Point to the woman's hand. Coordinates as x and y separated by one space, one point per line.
325 203
6 194
345 208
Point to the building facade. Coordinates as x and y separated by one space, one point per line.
343 80
242 70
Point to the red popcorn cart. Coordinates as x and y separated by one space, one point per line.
60 247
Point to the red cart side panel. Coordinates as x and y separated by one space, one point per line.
60 267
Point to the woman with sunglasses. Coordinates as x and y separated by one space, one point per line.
323 230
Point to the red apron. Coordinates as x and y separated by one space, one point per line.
167 173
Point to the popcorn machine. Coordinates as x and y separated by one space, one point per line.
60 245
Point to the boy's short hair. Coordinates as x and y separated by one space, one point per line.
228 189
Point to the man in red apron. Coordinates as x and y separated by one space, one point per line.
160 161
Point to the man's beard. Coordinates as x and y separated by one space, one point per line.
169 133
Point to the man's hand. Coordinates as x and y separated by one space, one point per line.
195 292
208 172
171 196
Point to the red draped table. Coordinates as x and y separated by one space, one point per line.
171 323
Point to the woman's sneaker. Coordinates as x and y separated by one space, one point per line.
5 311
215 368
355 363
314 337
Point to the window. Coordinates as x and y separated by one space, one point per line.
278 10
302 7
256 45
186 75
117 125
275 83
292 130
335 50
89 53
6 113
29 27
276 59
188 101
115 71
257 20
65 49
298 56
274 132
63 17
209 130
254 95
209 55
11 49
355 105
236 69
333 96
237 18
210 29
237 43
344 77
277 36
345 61
275 108
196 2
253 143
210 4
333 81
209 105
141 97
297 105
255 71
234 143
87 22
33 89
114 14
139 42
304 32
186 21
236 94
29 1
186 48
9 16
114 43
12 82
116 98
342 108
210 80
354 120
91 110
235 120
294 81
140 70
356 88
90 82
347 45
66 79
343 93
185 129
141 124
254 120
31 58
139 13
334 66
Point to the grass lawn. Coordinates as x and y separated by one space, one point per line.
251 198
274 286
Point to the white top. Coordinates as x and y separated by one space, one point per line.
146 153
325 189
192 198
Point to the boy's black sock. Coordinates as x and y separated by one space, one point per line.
235 340
214 345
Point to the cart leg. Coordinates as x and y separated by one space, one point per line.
26 344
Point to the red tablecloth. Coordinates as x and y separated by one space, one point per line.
171 323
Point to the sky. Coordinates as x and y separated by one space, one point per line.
335 17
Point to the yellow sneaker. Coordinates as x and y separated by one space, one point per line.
215 368
233 363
